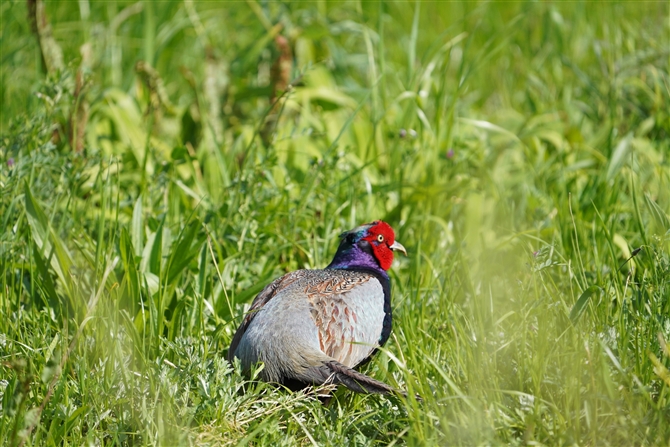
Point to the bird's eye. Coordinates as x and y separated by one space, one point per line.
380 238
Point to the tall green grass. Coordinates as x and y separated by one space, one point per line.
520 150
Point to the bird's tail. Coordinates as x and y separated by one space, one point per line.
335 373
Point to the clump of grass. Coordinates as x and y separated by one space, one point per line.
520 151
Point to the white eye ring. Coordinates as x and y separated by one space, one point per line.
380 238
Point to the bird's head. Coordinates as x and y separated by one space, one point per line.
375 239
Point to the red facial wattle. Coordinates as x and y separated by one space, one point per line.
381 237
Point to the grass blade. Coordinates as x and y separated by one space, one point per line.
582 301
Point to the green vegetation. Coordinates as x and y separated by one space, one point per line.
181 155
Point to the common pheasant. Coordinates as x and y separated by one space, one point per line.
313 327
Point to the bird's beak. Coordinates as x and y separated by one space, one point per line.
398 246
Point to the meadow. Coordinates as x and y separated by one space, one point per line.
162 161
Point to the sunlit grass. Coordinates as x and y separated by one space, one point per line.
519 150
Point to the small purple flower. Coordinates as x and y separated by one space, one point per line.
402 133
10 163
450 153
535 253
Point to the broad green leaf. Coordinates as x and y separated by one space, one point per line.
45 280
130 265
491 127
660 369
127 118
46 240
645 126
152 282
411 53
176 319
58 429
156 254
581 303
122 110
619 156
185 250
76 414
137 228
202 271
620 242
660 217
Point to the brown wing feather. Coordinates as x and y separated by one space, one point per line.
336 319
261 299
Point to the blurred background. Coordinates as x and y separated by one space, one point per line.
161 161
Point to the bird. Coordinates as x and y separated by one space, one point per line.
315 327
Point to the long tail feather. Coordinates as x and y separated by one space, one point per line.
339 374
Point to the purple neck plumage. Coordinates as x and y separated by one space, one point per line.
351 256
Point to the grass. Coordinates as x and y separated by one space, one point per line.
520 150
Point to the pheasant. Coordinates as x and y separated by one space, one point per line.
313 327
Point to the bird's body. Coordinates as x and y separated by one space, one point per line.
333 312
312 327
